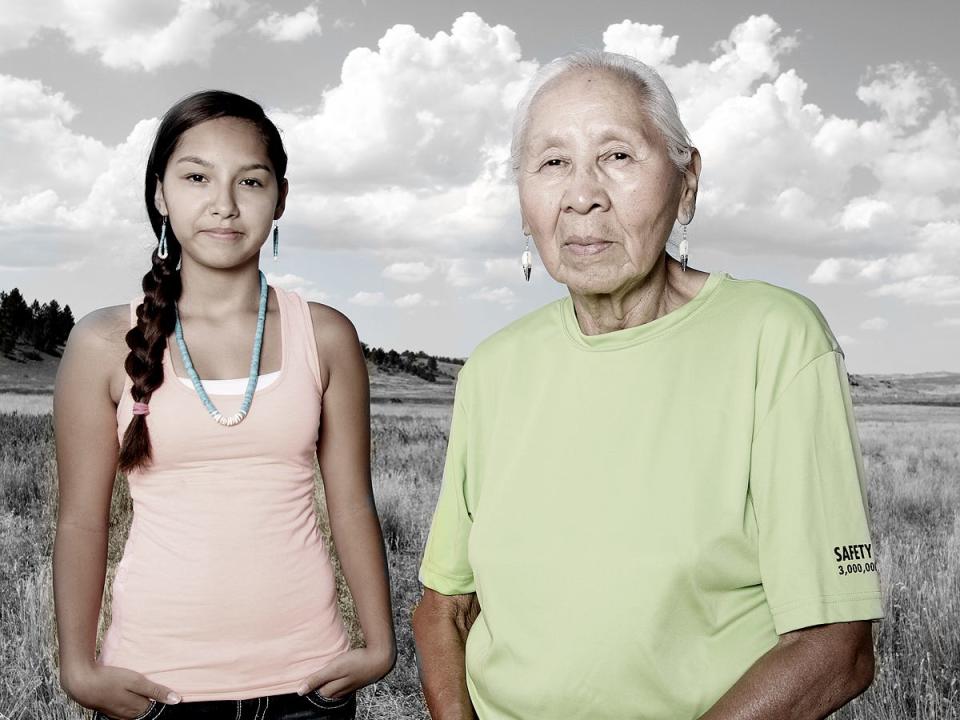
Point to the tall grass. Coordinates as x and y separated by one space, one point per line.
913 462
912 459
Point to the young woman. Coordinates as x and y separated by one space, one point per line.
224 604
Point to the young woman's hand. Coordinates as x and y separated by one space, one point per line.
116 691
350 671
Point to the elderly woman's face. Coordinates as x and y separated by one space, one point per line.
598 191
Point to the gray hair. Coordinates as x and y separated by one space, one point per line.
658 101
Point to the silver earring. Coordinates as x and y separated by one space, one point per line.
526 261
162 246
684 250
276 240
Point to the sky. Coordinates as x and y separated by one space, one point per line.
829 132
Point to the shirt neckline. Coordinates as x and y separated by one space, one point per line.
619 339
281 373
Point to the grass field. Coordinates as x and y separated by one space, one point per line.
912 455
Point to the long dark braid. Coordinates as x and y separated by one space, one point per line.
156 315
156 318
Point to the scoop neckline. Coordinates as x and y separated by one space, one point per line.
628 337
283 361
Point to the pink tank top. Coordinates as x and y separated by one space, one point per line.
225 590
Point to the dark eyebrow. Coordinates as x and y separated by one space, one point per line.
195 159
208 164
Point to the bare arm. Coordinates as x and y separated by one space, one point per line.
87 449
808 674
440 627
343 451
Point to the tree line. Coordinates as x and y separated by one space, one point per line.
415 363
45 327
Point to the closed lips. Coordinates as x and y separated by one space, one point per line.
586 245
223 234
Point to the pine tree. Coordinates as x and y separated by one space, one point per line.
32 323
8 338
65 325
45 329
20 311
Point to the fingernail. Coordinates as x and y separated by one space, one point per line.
173 698
302 690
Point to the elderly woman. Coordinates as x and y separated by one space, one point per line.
653 501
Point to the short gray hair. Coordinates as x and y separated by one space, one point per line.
658 101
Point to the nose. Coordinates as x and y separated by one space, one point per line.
585 192
223 204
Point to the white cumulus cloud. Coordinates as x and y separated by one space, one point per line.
411 146
144 35
296 283
407 301
644 42
41 153
409 272
290 28
368 299
502 295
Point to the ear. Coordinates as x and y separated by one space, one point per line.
688 192
525 228
282 199
158 201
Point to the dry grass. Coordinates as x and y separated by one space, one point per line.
913 460
912 457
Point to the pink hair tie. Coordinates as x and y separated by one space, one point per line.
141 408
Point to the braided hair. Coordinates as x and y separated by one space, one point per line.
156 315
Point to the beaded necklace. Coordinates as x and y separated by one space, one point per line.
254 364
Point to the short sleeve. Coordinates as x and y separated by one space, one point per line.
445 567
808 486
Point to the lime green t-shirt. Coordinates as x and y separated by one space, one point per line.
642 512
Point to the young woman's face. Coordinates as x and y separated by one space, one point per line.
220 192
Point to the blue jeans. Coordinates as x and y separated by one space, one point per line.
289 706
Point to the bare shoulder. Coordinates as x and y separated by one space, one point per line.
333 330
95 350
338 347
103 329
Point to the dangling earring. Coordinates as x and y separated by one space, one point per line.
526 261
684 250
276 240
162 247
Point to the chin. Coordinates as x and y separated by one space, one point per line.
595 282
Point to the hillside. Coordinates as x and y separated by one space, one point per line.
20 374
930 388
387 383
388 386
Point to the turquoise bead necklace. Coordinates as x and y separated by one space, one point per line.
254 364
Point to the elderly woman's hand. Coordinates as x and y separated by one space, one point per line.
440 627
808 674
